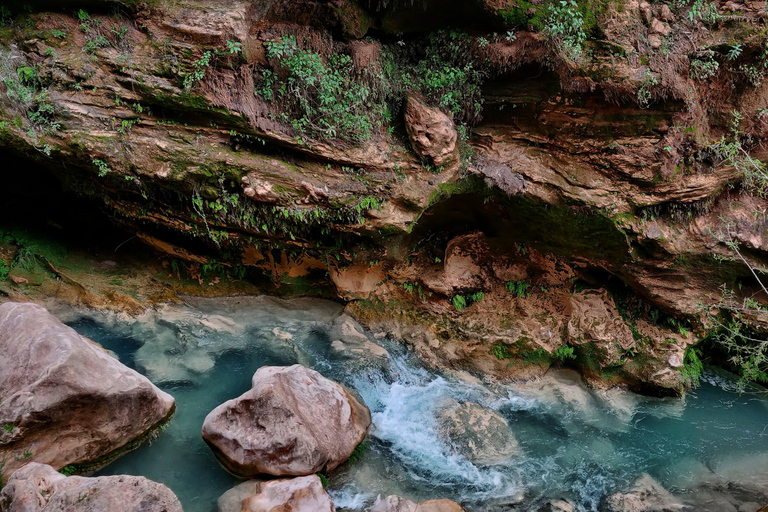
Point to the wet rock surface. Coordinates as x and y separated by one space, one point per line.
293 421
65 400
301 494
40 488
480 434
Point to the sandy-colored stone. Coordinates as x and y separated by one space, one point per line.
431 131
400 504
293 421
40 488
67 399
595 319
301 494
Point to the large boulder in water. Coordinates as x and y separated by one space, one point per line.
40 488
292 422
400 504
65 400
301 494
478 433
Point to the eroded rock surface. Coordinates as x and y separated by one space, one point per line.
431 131
40 488
478 433
301 494
65 400
293 421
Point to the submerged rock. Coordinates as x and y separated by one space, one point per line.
293 421
400 504
65 400
40 488
478 433
646 495
301 494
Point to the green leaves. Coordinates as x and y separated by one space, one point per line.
323 99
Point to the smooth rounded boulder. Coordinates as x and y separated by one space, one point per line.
65 400
40 488
292 422
300 494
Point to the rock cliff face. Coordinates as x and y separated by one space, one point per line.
464 185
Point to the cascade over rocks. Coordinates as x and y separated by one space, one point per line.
300 494
40 488
67 399
293 421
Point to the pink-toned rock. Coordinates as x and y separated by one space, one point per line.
68 401
301 494
40 488
432 132
655 41
659 27
292 422
595 320
259 190
400 504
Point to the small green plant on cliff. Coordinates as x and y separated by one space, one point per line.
101 167
704 66
459 302
196 75
731 151
518 288
320 97
644 93
501 352
704 11
8 427
565 27
692 367
563 353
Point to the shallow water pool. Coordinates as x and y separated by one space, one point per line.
710 449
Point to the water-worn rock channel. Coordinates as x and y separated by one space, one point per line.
569 444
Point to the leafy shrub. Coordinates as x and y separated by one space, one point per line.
501 352
692 367
705 67
322 100
563 353
4 271
198 72
565 26
518 288
704 11
459 302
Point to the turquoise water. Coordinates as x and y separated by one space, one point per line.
710 449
